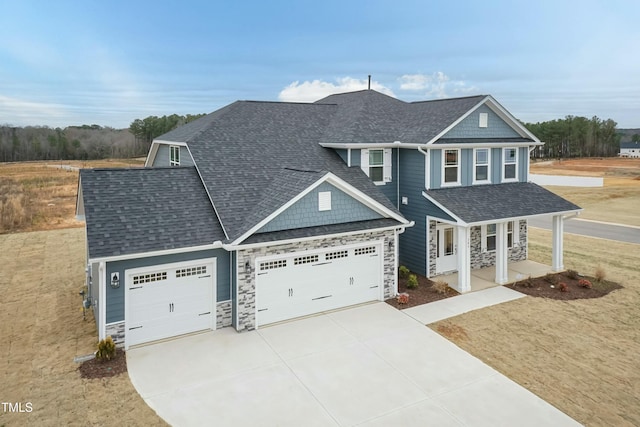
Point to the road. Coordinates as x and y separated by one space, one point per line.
584 227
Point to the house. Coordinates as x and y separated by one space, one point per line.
629 149
265 211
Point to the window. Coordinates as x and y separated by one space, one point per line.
148 278
175 155
191 271
510 164
324 200
481 171
334 255
451 166
364 251
376 163
489 236
307 259
483 120
270 265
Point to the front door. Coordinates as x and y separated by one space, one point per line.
446 258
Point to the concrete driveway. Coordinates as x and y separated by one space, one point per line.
370 365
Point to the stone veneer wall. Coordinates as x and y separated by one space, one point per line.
116 330
246 280
223 314
478 258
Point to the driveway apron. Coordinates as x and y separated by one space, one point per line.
369 365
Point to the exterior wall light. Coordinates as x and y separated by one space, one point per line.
115 280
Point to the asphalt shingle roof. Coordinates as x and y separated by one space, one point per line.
493 202
132 211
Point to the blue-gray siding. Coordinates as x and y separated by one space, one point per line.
435 168
523 163
163 156
343 155
469 127
413 249
115 297
305 212
355 158
496 165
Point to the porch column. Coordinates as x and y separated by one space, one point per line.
557 263
502 274
464 260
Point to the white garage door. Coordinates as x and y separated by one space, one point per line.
299 284
169 300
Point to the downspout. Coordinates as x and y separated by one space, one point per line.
397 143
349 157
427 177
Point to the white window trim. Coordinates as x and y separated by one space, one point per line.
515 239
171 161
504 164
484 181
443 167
387 158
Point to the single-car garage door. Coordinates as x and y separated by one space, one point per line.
304 283
169 300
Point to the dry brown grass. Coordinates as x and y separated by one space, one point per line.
41 195
42 330
581 356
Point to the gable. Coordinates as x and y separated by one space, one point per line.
306 211
162 156
469 126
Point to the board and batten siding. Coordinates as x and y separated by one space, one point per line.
305 212
115 297
163 156
469 126
413 243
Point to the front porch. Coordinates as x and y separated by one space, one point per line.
484 278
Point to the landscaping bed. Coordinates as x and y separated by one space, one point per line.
567 285
96 368
426 291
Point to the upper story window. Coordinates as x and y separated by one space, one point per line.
376 163
510 166
175 155
481 166
451 166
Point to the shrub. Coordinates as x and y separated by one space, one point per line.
403 298
584 283
403 272
412 281
440 287
552 278
564 287
573 275
106 349
600 274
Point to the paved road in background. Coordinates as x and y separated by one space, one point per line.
621 233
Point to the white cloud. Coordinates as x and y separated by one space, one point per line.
437 85
310 91
30 113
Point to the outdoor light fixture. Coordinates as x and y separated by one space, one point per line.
247 267
115 281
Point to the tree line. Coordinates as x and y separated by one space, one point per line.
576 137
86 142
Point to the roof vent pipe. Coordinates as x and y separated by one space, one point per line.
369 85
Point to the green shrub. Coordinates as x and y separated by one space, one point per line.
412 281
403 272
106 349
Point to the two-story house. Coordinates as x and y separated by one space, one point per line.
265 211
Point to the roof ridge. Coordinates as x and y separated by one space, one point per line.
449 99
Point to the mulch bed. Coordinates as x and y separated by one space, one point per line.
95 368
549 287
423 294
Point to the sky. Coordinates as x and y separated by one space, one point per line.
66 63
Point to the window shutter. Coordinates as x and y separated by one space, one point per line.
388 160
483 238
364 160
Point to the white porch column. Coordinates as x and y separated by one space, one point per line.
464 259
502 274
557 263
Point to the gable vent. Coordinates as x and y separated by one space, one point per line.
324 201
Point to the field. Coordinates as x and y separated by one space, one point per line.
581 356
42 195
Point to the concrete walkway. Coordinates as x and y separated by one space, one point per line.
367 366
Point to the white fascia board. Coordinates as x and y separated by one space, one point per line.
214 245
336 182
151 155
459 221
570 213
506 116
485 145
79 201
361 145
240 246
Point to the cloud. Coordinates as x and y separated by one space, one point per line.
437 85
29 113
310 91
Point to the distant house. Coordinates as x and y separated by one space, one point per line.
630 149
266 211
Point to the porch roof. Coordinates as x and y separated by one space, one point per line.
489 203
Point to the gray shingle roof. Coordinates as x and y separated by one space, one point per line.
493 202
132 211
630 145
256 156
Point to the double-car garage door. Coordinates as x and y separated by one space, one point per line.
169 300
300 284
